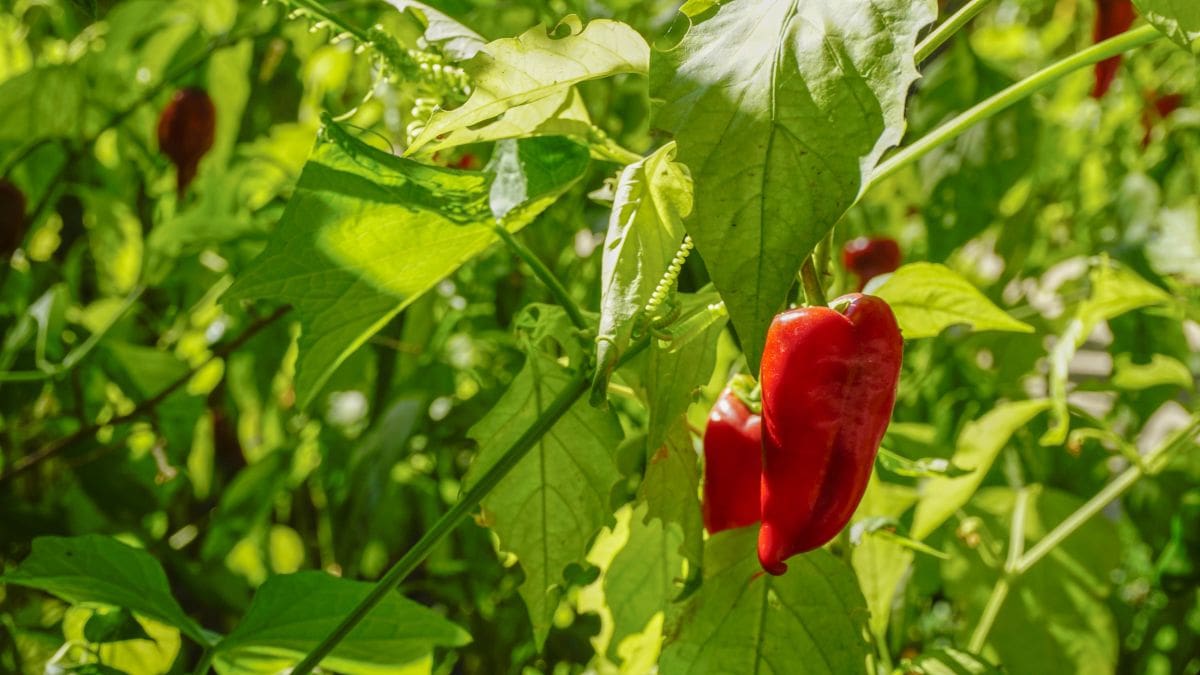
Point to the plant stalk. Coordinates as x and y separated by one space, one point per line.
947 29
1017 92
543 274
814 294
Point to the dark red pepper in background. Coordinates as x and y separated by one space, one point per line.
12 218
732 464
828 385
1157 108
1113 17
868 257
186 131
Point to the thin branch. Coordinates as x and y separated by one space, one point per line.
1017 92
948 28
56 447
544 275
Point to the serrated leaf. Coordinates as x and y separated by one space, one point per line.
546 510
290 614
744 621
366 233
1114 290
780 108
979 443
513 72
644 576
95 568
1177 19
645 230
927 298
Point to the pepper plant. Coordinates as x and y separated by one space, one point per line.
383 336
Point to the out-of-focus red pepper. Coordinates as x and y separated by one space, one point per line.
1157 108
732 464
868 257
186 130
1113 17
828 383
12 217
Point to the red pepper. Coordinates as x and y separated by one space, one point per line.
186 130
868 257
1163 105
732 464
828 384
12 217
1113 17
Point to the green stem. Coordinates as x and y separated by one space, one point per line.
321 11
458 513
205 663
1017 92
1018 562
814 294
947 29
990 611
544 274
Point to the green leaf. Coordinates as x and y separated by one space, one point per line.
115 626
366 233
978 446
671 489
290 614
644 577
1114 290
546 510
1177 19
780 108
880 564
1064 594
456 40
744 621
511 75
927 298
1162 370
644 231
950 661
95 568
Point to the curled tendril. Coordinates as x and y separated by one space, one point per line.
666 284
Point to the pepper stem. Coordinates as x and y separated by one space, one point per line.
814 295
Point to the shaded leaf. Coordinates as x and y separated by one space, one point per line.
290 614
744 621
1177 19
780 108
546 510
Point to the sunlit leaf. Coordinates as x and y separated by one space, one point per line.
927 298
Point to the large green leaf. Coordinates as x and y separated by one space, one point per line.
95 568
979 443
644 232
927 298
1177 19
809 620
780 108
514 77
366 233
292 613
1063 594
881 563
549 506
671 489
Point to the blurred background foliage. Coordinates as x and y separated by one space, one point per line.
228 481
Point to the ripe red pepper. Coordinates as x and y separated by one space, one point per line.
1113 17
186 130
732 464
12 217
828 382
868 257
